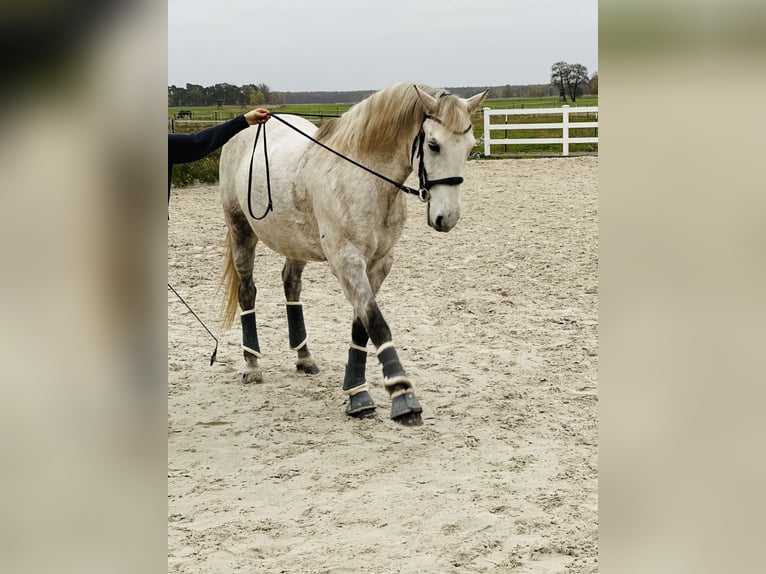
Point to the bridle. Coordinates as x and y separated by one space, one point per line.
425 184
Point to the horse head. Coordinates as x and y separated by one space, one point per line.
445 140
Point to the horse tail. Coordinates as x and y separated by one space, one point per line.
230 283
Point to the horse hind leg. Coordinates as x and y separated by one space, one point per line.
291 278
239 269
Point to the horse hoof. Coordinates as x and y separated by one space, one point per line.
361 406
252 377
410 420
405 409
307 368
365 414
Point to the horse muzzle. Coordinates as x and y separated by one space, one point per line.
442 219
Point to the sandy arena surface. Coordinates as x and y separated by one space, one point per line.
496 322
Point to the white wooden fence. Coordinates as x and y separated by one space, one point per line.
565 140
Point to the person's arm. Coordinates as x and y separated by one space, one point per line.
183 148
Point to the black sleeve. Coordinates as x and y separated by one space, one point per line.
183 148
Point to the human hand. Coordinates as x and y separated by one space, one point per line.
257 116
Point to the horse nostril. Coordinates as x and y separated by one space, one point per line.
439 221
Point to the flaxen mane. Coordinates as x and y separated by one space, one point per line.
377 121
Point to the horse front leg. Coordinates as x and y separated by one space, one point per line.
358 287
405 408
291 279
360 403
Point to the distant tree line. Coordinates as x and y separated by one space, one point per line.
260 94
225 94
507 91
323 97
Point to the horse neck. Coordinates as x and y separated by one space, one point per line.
394 160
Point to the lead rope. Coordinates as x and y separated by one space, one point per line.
421 193
270 206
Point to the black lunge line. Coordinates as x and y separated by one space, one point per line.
348 159
423 192
215 351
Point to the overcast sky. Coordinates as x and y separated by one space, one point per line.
339 45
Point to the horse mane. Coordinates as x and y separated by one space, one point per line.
386 117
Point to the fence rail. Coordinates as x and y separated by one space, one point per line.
565 126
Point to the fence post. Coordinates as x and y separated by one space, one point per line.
505 146
565 130
486 132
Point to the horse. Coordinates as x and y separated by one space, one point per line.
323 208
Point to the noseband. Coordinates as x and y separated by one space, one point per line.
425 184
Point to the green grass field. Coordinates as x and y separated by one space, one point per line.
213 113
206 170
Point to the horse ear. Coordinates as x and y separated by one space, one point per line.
428 101
475 101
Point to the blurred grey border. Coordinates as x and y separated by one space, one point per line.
83 219
682 286
83 223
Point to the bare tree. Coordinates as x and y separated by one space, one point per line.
559 73
266 91
578 75
568 78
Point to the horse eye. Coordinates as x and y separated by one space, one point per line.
433 146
